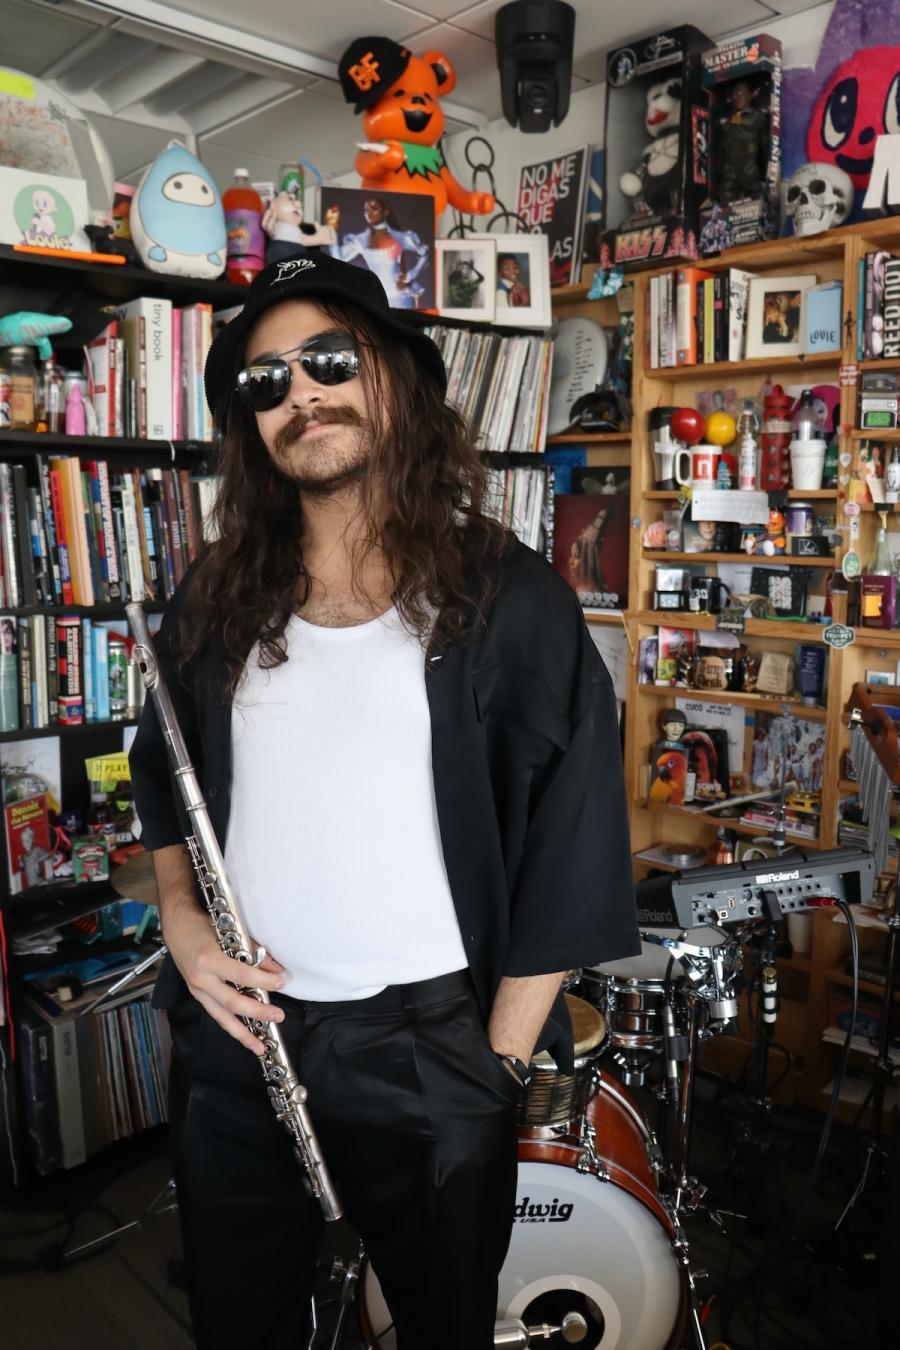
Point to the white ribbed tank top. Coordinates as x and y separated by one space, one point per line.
333 845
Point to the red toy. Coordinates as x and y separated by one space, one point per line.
688 426
399 95
858 104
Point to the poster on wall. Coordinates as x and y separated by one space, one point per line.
590 539
391 234
551 202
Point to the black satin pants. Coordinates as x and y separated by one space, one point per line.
416 1120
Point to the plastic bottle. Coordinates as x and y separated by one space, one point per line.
76 421
100 818
882 563
805 424
748 447
53 395
892 477
246 241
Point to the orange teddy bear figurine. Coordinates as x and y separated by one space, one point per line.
400 96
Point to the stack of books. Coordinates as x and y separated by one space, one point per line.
88 534
878 307
499 384
697 317
145 370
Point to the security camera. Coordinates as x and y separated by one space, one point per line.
534 41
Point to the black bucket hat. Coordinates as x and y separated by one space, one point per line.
310 276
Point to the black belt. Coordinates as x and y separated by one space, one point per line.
393 998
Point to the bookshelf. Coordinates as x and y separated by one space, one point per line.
79 290
834 255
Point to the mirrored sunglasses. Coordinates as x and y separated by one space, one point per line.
327 358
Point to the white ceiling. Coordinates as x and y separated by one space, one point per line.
256 84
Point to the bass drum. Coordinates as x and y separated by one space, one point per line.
596 1241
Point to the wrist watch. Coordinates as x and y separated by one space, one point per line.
518 1068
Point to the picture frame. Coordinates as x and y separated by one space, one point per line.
774 315
466 272
522 294
362 220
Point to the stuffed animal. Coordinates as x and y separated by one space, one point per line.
177 220
653 183
399 95
288 233
25 328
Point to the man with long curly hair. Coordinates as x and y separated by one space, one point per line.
408 746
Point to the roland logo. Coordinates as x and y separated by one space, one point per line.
526 1212
654 915
766 878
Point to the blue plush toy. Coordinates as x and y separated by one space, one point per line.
177 220
26 328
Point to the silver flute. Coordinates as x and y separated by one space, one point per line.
286 1094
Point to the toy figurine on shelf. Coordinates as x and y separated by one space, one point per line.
743 83
656 134
672 722
400 96
774 540
743 143
288 233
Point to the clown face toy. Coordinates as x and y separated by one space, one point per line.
657 130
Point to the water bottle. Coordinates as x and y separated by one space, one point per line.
748 447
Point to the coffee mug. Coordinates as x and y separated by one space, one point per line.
708 595
704 463
669 458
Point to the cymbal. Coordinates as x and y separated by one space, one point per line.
136 880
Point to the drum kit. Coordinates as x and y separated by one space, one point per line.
597 1235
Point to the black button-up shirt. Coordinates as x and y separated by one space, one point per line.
527 775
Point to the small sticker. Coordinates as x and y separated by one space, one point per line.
845 459
851 508
838 635
851 565
849 374
854 529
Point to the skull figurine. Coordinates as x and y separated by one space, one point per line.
818 197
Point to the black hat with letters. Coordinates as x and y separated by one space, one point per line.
311 275
369 66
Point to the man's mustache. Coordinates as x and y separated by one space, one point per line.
338 415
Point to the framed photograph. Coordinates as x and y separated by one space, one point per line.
880 677
522 291
466 278
774 314
391 234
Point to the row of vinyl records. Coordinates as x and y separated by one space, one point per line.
89 1080
85 534
520 499
501 385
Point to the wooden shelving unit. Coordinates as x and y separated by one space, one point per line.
834 255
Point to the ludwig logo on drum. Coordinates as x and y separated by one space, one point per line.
526 1212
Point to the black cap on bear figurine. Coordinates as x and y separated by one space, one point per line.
369 66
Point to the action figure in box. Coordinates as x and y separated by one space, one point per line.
656 148
743 83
